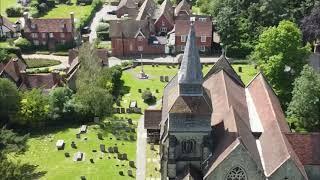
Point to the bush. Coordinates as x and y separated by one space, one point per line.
63 47
148 97
14 11
23 44
103 35
43 8
96 4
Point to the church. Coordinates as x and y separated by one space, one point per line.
214 127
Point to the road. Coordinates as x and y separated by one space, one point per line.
102 14
141 150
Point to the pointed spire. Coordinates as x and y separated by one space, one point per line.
190 73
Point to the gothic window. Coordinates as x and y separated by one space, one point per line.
236 173
188 146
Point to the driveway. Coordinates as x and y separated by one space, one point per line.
102 14
63 59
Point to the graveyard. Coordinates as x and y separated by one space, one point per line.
80 154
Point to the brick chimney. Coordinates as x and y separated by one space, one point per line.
55 77
26 18
24 78
72 21
16 67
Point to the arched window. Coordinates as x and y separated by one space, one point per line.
236 173
188 146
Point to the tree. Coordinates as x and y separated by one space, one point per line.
34 110
148 97
9 99
23 44
304 109
281 55
58 98
310 25
3 56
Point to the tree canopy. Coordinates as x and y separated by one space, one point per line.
281 55
310 25
304 109
9 99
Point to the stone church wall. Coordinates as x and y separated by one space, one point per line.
313 171
287 170
239 157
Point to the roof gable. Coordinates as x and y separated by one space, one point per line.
49 25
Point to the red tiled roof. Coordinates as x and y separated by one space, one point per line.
202 28
11 70
5 22
306 146
152 119
49 25
42 81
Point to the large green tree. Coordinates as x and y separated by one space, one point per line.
304 109
281 55
35 108
58 99
9 99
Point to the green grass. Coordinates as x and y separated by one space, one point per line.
4 4
104 45
37 63
42 151
63 11
4 44
151 171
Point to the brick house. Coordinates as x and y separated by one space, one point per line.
134 37
204 30
49 32
163 16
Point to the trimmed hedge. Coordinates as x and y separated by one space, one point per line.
96 4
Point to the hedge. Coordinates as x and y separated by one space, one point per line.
96 4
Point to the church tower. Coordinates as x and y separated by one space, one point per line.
186 117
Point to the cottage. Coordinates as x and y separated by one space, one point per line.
134 37
7 28
44 81
215 127
49 33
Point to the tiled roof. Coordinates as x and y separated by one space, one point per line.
166 10
5 22
152 119
202 28
12 71
48 25
127 3
127 28
42 81
182 6
306 146
147 9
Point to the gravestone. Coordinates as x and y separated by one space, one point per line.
121 173
118 103
166 78
131 164
240 69
110 150
152 65
128 110
115 149
91 160
120 156
157 90
139 90
100 136
94 150
255 66
152 147
148 89
130 173
73 145
161 78
78 136
130 121
102 148
132 138
115 110
124 156
82 177
123 110
119 110
67 154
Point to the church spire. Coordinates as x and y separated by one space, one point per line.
190 75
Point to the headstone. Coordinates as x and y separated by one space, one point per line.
115 110
110 150
73 145
128 110
130 173
78 156
91 160
130 121
121 173
82 177
83 129
60 144
124 156
152 65
78 136
161 78
123 110
166 78
118 110
148 89
152 147
255 66
157 90
139 90
102 148
131 164
94 150
67 154
240 69
100 136
138 110
118 103
115 149
120 156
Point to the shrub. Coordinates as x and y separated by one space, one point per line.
23 44
43 8
96 4
148 97
14 11
103 35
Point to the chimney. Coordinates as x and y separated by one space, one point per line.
72 21
317 48
26 18
55 77
24 78
16 66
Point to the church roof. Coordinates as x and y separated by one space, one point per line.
191 70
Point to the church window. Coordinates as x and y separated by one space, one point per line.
188 146
236 173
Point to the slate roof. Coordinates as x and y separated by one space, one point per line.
306 146
127 28
165 10
11 71
5 22
127 3
48 25
152 119
182 6
202 28
147 9
42 81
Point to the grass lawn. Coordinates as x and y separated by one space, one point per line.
42 151
153 165
37 63
63 11
4 4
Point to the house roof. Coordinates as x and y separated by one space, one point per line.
13 70
5 22
127 28
146 10
202 28
42 81
306 146
48 25
165 10
127 3
182 6
152 119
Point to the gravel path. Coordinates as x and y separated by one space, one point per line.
141 150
